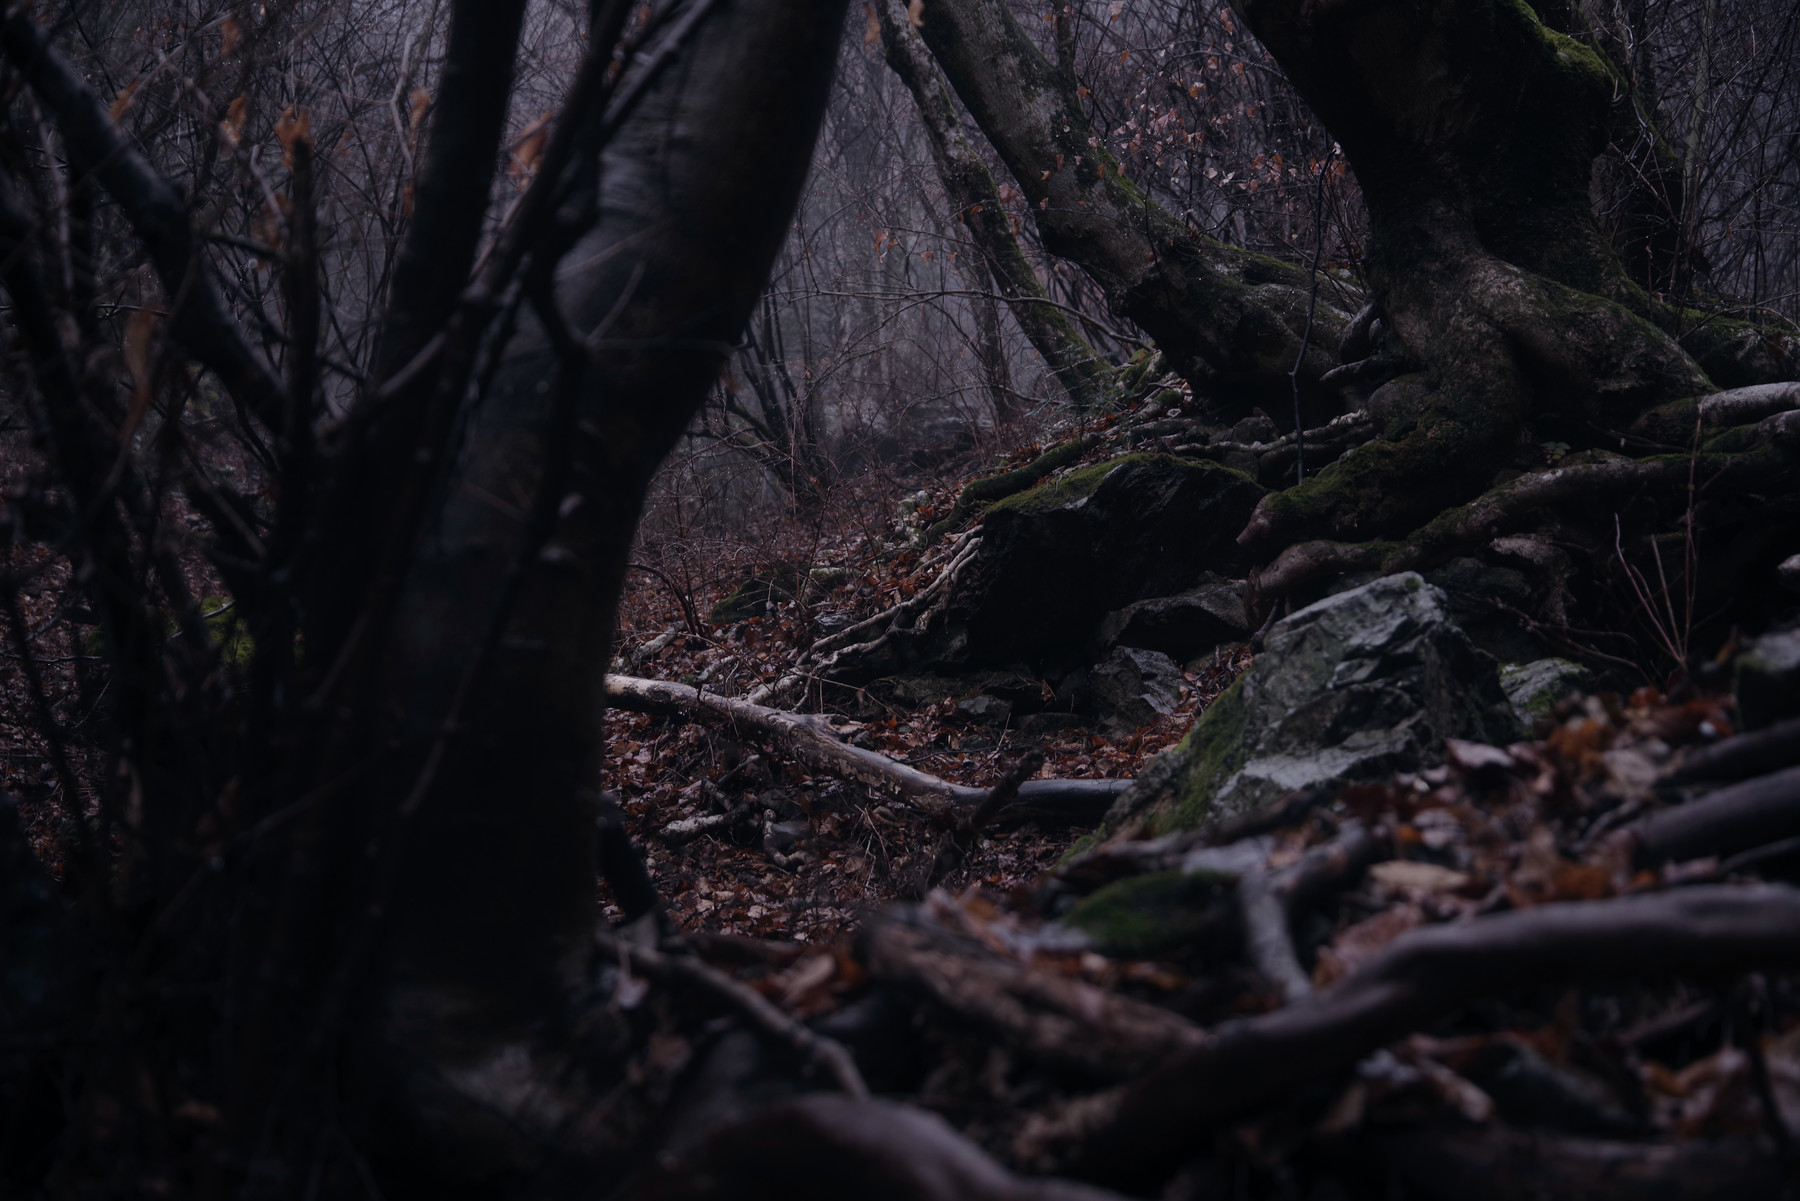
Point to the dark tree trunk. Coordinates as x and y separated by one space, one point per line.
1473 129
970 188
1230 321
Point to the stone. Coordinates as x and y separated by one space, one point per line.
1535 687
1056 559
1181 626
1766 678
988 710
1353 688
1131 688
1787 573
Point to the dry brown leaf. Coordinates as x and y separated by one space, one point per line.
233 33
293 128
231 129
1357 944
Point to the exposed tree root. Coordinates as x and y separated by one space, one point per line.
1136 1134
758 1010
1498 1164
1736 818
1769 458
1055 1020
824 1148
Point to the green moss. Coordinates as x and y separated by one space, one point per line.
1064 488
1214 749
1145 916
1083 845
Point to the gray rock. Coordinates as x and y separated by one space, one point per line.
1767 679
1535 687
1787 573
1056 559
1355 687
1131 688
990 710
1181 626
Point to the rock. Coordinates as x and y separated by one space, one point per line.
1358 686
828 577
1787 573
1535 687
1131 688
1182 626
1258 427
1037 724
753 597
1767 678
1055 559
1485 600
989 710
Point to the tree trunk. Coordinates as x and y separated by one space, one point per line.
1230 321
970 188
1473 129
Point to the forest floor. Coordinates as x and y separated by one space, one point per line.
857 853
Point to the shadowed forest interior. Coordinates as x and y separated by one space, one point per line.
932 599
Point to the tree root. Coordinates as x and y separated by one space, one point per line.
1055 1020
808 738
1733 819
1134 1135
1771 460
827 1054
1500 1164
828 656
822 1148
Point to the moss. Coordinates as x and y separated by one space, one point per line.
1214 749
1083 845
1150 915
1064 488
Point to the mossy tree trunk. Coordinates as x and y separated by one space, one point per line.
1473 128
1230 321
970 187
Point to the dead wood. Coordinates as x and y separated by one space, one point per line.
825 1053
823 1148
809 739
1500 1164
1136 1134
1743 756
1054 1019
1266 937
1735 818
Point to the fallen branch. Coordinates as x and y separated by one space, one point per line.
826 1053
809 739
1051 1018
1135 1135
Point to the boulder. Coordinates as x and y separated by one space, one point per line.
1766 678
1131 688
1358 686
1182 626
1535 687
1056 559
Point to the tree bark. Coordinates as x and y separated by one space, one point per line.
970 188
1230 321
1472 130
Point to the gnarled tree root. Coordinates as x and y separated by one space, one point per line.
1135 1135
1773 461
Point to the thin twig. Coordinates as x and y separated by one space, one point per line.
826 1053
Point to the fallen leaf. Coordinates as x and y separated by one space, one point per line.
1409 875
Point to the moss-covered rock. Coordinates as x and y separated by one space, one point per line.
1055 559
1356 687
1156 914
